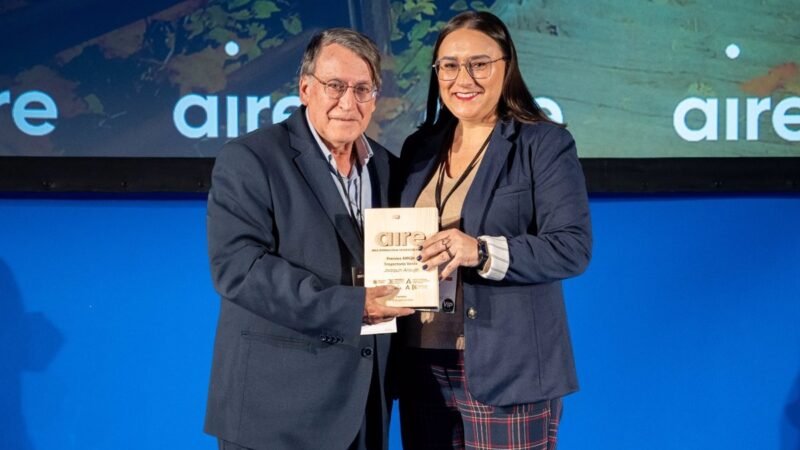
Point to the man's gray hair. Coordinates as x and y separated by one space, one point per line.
349 39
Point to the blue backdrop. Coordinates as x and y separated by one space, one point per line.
686 325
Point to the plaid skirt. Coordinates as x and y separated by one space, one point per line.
437 410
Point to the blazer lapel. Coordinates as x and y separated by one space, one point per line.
477 201
379 177
424 163
317 174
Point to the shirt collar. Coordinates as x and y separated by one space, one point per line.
363 149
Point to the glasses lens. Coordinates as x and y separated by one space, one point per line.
363 92
480 68
447 70
335 88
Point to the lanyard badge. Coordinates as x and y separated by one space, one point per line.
447 294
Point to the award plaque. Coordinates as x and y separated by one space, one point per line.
392 237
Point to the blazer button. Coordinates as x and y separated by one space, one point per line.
366 352
472 313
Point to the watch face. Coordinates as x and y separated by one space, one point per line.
483 254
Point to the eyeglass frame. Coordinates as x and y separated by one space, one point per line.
327 88
468 67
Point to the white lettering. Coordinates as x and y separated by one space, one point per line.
254 107
754 109
210 105
24 109
709 109
551 108
281 112
232 110
785 118
781 118
209 128
732 119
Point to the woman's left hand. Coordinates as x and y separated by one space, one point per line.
451 247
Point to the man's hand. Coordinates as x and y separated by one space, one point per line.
375 309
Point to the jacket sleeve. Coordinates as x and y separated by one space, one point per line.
559 244
244 253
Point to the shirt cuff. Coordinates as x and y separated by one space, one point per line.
497 247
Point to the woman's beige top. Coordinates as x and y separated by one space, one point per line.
441 330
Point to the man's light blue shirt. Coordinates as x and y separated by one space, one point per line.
355 189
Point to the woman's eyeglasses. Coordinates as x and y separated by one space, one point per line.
447 70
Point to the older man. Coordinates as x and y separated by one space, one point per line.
291 368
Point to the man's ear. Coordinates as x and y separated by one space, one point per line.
303 89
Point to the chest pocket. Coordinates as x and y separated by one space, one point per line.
510 210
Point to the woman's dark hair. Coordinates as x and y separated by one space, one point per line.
516 101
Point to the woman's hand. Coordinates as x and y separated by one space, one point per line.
451 247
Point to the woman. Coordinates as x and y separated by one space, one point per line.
489 369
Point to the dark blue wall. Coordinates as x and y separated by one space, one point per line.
686 325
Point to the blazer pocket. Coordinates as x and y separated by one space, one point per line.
510 189
510 210
278 341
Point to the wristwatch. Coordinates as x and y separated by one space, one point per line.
483 254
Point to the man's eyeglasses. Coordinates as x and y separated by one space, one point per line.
335 89
479 68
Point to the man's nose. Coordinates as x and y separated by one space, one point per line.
348 98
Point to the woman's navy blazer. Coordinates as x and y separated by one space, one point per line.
529 188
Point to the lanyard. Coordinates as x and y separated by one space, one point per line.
440 182
355 216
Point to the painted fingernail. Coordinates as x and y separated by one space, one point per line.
424 267
419 248
419 257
